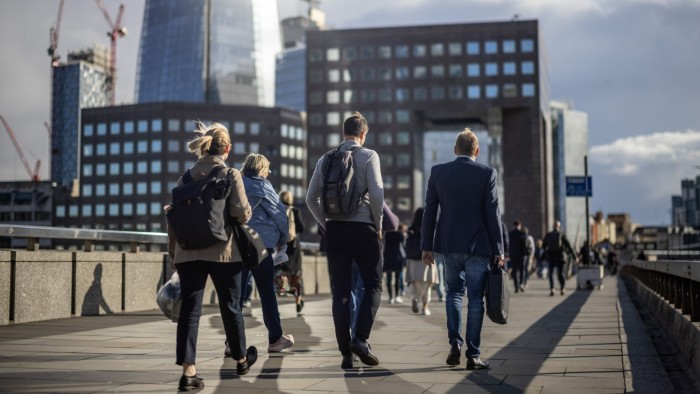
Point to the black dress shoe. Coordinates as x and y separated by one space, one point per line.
455 354
251 356
300 306
477 363
364 351
347 361
188 383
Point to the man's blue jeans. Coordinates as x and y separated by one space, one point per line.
465 272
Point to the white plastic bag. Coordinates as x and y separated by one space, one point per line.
279 256
169 298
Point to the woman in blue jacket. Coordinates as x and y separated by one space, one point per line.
270 221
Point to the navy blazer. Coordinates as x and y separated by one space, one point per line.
470 221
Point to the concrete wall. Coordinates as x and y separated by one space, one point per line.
98 283
681 330
5 272
61 284
43 285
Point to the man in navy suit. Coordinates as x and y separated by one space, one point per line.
468 234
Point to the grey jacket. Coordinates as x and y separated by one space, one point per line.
238 208
368 177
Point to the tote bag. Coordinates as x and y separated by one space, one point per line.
250 244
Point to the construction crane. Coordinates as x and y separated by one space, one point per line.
117 31
34 175
48 128
53 37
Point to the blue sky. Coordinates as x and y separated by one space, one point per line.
632 65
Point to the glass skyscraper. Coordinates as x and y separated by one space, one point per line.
211 51
76 85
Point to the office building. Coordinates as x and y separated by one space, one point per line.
132 156
208 51
685 208
412 80
79 83
569 147
25 203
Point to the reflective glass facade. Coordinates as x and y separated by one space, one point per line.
212 51
76 85
291 79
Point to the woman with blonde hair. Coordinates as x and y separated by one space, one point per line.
292 268
221 261
270 221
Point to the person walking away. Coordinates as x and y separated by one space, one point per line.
292 268
518 254
555 245
270 221
530 265
221 261
421 277
468 233
354 237
394 255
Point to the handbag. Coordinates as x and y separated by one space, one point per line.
250 244
497 295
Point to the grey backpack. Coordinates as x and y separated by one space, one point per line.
340 195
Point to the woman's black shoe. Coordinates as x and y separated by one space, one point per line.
188 383
251 356
300 306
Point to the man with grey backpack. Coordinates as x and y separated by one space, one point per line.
345 196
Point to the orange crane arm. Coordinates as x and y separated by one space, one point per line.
17 147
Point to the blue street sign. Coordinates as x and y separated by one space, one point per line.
576 186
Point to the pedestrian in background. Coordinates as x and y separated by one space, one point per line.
420 277
518 255
292 268
468 234
221 261
555 245
270 221
394 256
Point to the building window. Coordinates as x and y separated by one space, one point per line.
384 95
509 68
349 75
87 190
155 208
141 208
455 92
403 116
87 210
508 46
101 149
142 147
385 74
419 50
115 128
367 52
527 68
141 188
254 128
156 125
388 182
454 49
332 54
100 189
87 150
491 47
404 204
238 148
437 93
114 148
402 72
173 125
87 169
101 169
437 71
113 209
315 119
156 146
128 188
316 97
473 69
142 167
403 138
113 168
473 48
384 52
403 181
385 116
402 95
238 127
386 160
155 167
101 129
142 126
99 210
401 51
491 69
127 209
367 96
455 70
315 55
333 97
403 160
128 148
367 74
348 97
349 53
113 189
420 72
60 211
334 75
315 76
473 91
156 187
510 90
527 45
128 168
491 91
528 90
437 49
173 146
420 94
173 166
88 130
333 140
129 127
333 118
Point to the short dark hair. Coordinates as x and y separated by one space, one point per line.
355 125
516 223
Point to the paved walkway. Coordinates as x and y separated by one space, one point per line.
583 342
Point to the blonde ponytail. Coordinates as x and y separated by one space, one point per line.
209 140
